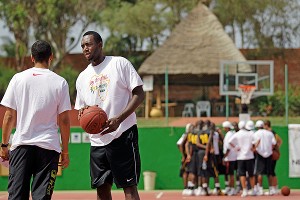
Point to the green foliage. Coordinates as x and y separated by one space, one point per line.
70 75
6 73
261 24
8 46
275 105
141 24
49 20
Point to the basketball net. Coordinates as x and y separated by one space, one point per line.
246 93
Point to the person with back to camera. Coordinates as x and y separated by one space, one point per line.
275 189
181 146
264 144
243 141
237 178
113 84
191 161
229 158
37 100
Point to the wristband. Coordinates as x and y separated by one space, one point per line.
4 145
64 153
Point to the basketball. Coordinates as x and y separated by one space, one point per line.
275 155
285 191
93 119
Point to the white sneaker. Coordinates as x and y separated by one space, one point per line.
184 192
226 190
215 191
238 189
231 192
198 191
251 193
271 192
189 192
209 191
260 191
244 193
203 192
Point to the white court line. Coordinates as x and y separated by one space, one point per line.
159 195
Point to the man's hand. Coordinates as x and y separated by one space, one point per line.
111 125
65 161
188 159
4 153
80 112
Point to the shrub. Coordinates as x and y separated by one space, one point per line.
70 75
6 73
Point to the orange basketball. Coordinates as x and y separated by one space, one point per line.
93 119
285 191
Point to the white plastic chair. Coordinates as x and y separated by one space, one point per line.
188 110
203 106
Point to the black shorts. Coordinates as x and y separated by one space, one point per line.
245 166
211 170
231 166
193 164
219 163
183 169
263 165
273 166
26 162
200 155
118 161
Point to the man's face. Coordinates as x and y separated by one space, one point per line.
91 50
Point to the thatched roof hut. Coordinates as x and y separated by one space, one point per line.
195 48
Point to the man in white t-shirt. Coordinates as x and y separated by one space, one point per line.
37 100
113 84
229 157
243 141
264 144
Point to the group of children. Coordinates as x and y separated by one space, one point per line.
242 152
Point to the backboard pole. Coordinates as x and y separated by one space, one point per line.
227 97
167 96
286 95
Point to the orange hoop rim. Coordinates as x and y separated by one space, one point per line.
247 87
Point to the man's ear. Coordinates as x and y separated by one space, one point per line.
32 59
50 59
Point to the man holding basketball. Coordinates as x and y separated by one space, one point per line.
113 84
37 100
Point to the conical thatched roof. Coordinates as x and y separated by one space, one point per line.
196 46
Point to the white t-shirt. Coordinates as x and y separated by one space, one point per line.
216 139
243 140
181 139
108 85
39 96
226 146
266 139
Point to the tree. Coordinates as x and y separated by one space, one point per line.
49 20
9 46
261 24
142 22
16 16
52 20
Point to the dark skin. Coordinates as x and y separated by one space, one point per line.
92 51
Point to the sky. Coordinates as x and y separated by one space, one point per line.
5 33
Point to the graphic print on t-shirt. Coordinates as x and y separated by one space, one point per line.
99 84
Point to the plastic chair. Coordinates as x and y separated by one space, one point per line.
203 106
188 110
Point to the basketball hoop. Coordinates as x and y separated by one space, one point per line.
246 93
